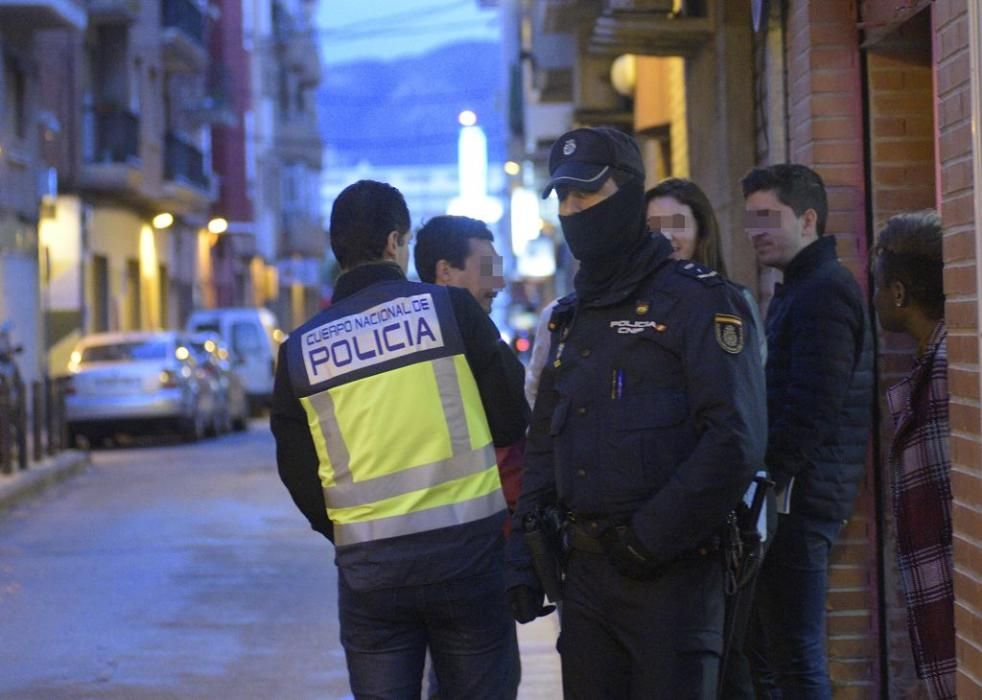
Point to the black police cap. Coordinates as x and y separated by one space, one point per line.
583 158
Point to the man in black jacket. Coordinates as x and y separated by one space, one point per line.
385 409
647 429
819 400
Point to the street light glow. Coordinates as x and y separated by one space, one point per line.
218 225
512 168
467 118
163 220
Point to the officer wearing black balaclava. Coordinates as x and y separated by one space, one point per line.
647 429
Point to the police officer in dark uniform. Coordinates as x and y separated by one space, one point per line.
648 427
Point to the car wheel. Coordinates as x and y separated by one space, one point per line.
194 428
213 428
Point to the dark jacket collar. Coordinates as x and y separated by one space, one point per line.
357 278
810 258
651 252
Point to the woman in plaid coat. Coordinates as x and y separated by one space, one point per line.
909 299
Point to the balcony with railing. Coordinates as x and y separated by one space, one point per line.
183 36
110 149
187 185
113 11
302 55
183 162
646 27
42 14
298 138
301 235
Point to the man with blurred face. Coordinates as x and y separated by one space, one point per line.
647 429
459 251
819 400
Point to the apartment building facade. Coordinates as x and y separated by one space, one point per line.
154 157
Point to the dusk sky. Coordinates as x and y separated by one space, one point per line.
387 29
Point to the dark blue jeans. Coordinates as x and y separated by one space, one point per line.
465 623
788 637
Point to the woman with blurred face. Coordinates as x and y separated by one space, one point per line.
909 298
680 211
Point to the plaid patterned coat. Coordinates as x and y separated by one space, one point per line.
921 466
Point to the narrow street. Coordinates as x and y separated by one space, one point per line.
180 571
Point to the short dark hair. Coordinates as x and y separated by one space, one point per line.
794 185
687 192
446 237
363 216
909 250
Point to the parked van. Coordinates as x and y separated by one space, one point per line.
253 338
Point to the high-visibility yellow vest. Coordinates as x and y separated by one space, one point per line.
402 439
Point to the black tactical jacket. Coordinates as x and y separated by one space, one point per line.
819 382
650 411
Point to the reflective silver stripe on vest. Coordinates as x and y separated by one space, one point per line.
430 519
349 494
453 404
337 451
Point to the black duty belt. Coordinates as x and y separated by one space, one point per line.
581 538
585 535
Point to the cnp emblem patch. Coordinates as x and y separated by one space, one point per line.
641 308
729 332
569 147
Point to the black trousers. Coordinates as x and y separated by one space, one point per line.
651 640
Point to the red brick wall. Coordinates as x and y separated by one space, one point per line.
825 105
956 198
901 128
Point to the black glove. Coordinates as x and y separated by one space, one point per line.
628 556
526 603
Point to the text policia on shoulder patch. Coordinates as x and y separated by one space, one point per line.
729 332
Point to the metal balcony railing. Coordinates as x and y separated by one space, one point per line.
184 16
113 11
183 162
111 135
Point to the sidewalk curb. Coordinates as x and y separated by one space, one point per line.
21 485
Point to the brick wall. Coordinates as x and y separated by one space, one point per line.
901 129
826 125
956 198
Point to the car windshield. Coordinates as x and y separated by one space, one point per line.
206 328
126 352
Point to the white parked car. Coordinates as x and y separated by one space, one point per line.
253 340
215 360
131 382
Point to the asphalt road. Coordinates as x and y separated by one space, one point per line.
168 571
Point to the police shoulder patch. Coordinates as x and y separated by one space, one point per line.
707 276
729 332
